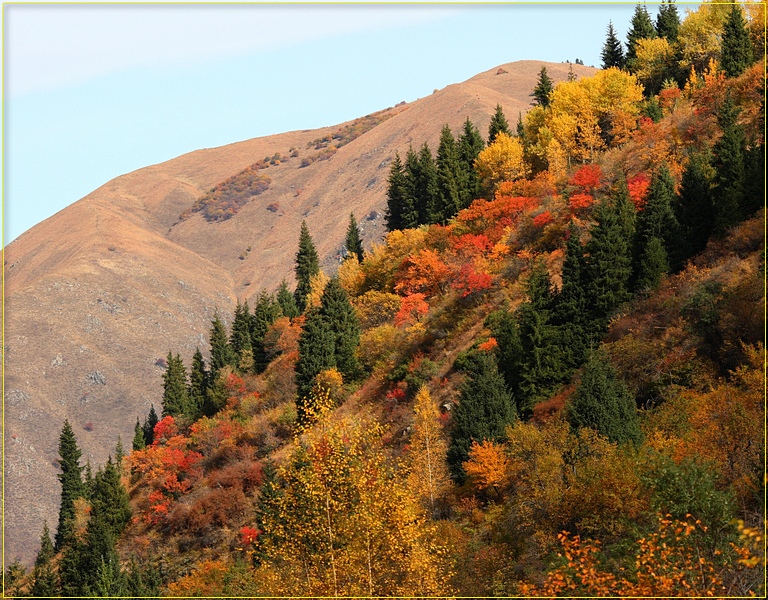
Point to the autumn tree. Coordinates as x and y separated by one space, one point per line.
612 54
501 161
353 243
543 89
307 266
498 125
736 48
71 483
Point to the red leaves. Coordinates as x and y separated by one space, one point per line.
580 201
249 535
424 273
638 189
543 219
470 281
412 308
588 178
165 429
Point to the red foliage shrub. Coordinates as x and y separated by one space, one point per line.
164 430
470 281
396 394
588 178
580 201
638 189
249 535
245 475
471 244
543 219
412 308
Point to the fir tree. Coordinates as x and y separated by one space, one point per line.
111 499
353 242
307 265
668 21
543 89
149 425
653 264
221 352
316 354
448 175
139 441
426 190
498 125
485 409
287 302
119 456
603 403
266 312
729 168
736 47
71 483
641 27
694 209
509 350
13 578
216 396
240 337
268 511
344 326
198 385
44 581
399 199
470 144
175 395
612 54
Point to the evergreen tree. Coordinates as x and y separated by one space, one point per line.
736 47
668 21
543 89
221 352
216 396
88 481
509 350
641 27
13 578
268 511
139 441
344 326
485 409
612 54
149 425
754 186
498 125
44 581
286 301
449 175
240 338
175 395
307 265
110 498
119 456
198 385
316 354
694 209
470 144
400 213
603 403
653 264
729 168
266 312
353 242
426 190
71 483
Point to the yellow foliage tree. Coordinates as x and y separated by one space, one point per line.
317 284
700 33
501 161
351 277
488 465
383 261
654 61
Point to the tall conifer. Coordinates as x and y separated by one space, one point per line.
736 47
612 54
307 266
498 125
198 385
641 27
316 354
221 351
175 394
729 152
470 144
71 483
543 89
44 581
344 326
668 21
266 312
240 337
286 301
448 175
353 242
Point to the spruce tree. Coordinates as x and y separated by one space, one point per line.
612 54
425 186
399 199
353 242
149 425
729 152
71 483
286 301
139 441
344 326
509 349
44 581
221 351
307 266
694 209
216 396
470 144
603 403
485 409
736 47
111 498
198 385
175 395
653 264
240 337
316 354
266 312
668 21
449 175
641 27
498 125
543 89
570 310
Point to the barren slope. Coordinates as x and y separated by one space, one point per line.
98 292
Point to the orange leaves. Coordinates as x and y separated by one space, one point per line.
412 308
470 280
580 201
588 178
206 580
491 217
249 535
424 273
543 219
638 189
488 465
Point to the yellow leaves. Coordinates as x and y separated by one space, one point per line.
488 465
317 285
351 277
501 161
429 474
654 59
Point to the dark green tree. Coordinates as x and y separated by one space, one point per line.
268 510
422 172
110 498
613 53
509 350
736 47
470 144
198 385
498 125
71 484
316 354
139 441
353 242
729 154
221 352
694 209
653 265
240 337
485 409
149 425
266 312
44 581
344 326
286 301
641 27
307 266
668 21
216 396
175 395
401 211
543 89
449 175
602 402
13 578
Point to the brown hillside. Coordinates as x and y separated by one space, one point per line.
99 292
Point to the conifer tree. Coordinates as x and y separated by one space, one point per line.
399 198
543 89
307 265
240 337
71 483
469 144
426 190
221 352
612 54
668 21
119 456
316 354
215 396
286 301
139 442
149 425
198 385
448 175
653 264
694 209
641 27
570 311
111 498
729 168
498 125
266 312
88 481
509 350
736 47
603 403
353 242
44 581
175 395
344 326
485 409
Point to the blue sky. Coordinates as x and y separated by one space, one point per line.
92 92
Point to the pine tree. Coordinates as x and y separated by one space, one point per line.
221 352
612 54
307 265
603 403
543 89
119 456
485 409
353 242
448 175
728 163
509 349
423 173
71 483
111 498
175 395
149 425
344 326
736 47
694 209
498 125
216 395
240 337
400 209
266 312
44 581
316 354
641 27
287 302
668 21
139 442
653 264
470 144
198 385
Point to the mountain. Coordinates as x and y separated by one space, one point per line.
99 293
